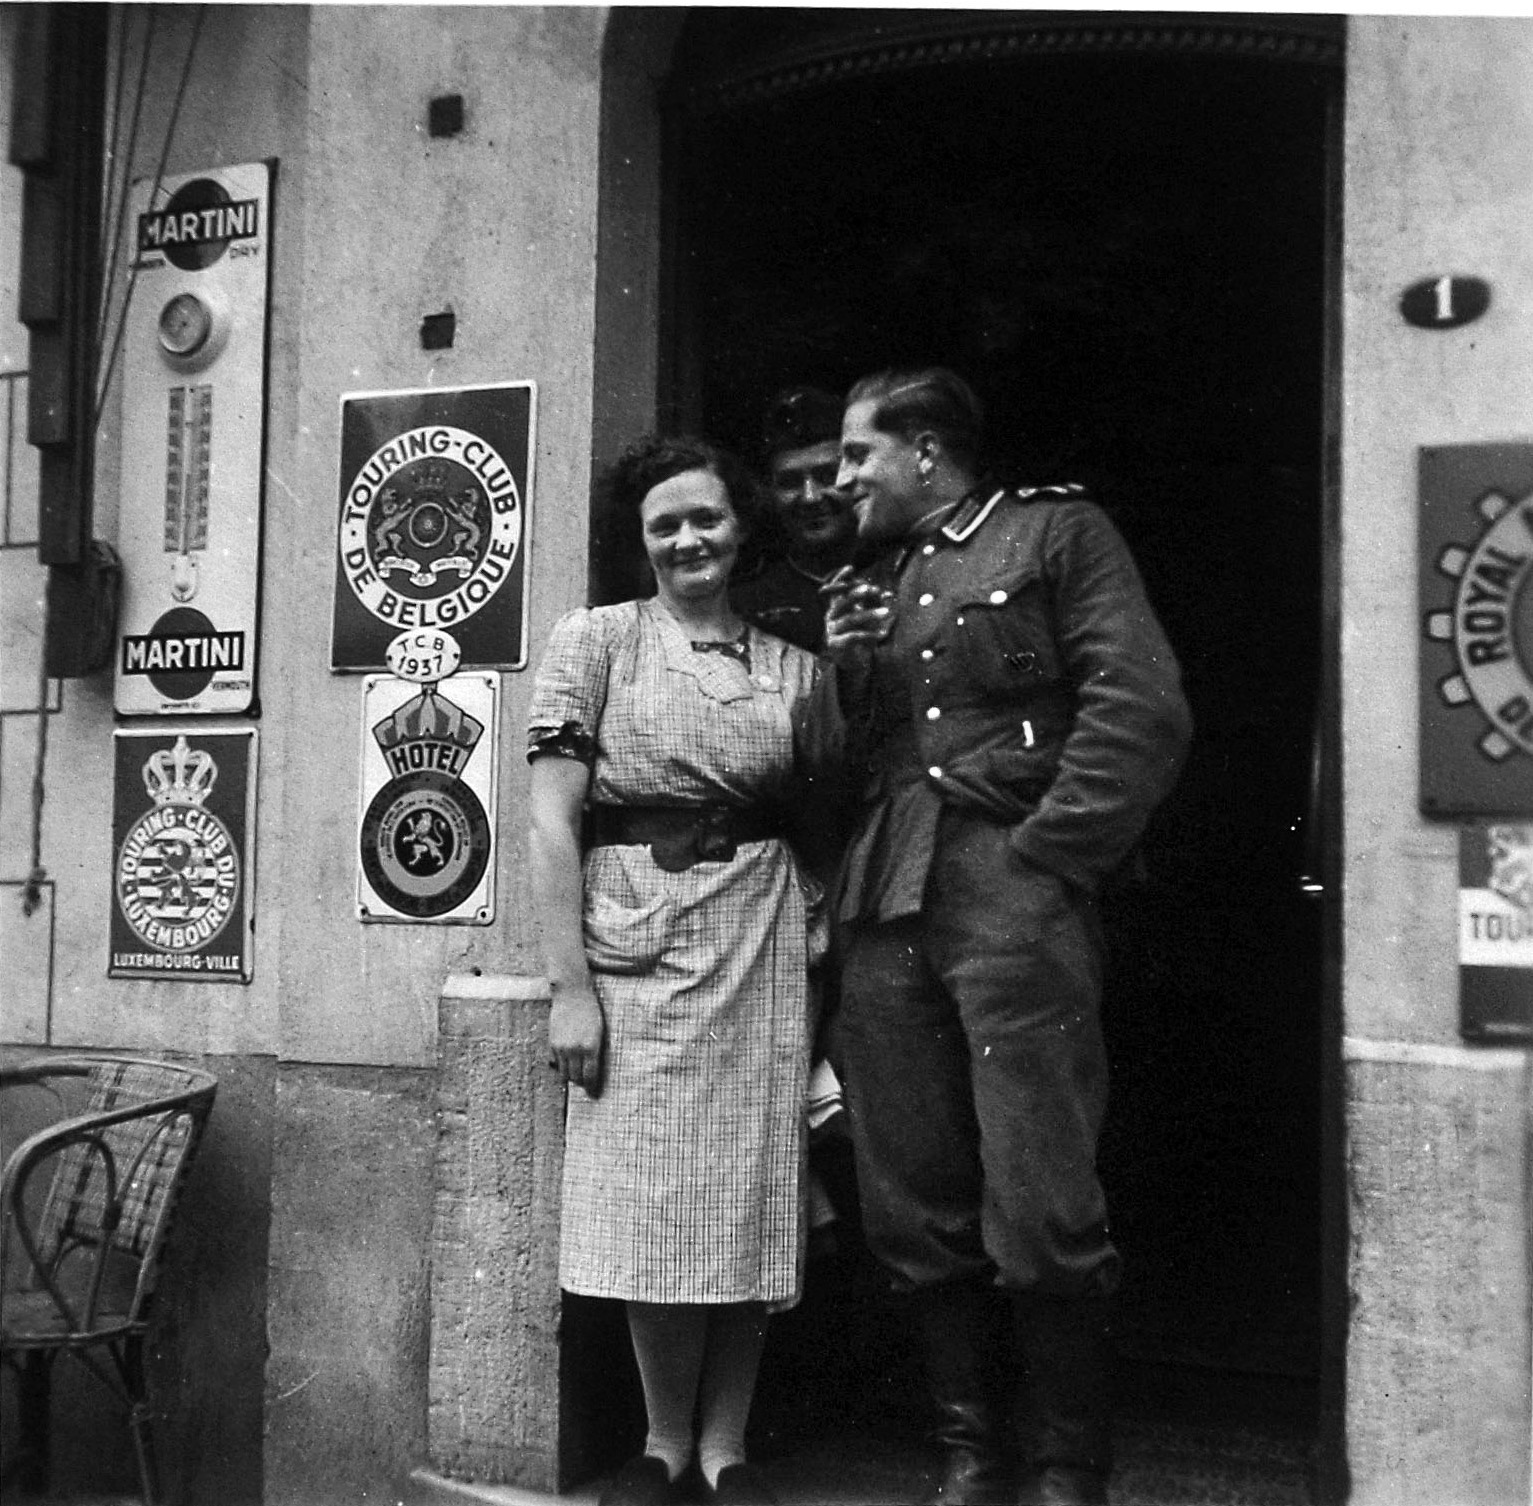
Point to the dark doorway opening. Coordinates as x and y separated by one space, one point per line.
1126 252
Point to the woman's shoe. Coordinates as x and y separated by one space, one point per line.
641 1482
741 1485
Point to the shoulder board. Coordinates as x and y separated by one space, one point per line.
1065 491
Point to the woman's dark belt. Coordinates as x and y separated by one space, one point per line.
680 835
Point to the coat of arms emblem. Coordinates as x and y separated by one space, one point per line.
430 527
178 872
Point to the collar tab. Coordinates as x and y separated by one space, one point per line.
972 511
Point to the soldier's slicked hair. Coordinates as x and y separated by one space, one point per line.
931 400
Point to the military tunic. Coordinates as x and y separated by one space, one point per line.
1021 722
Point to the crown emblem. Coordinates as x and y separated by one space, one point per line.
428 732
180 775
433 476
431 718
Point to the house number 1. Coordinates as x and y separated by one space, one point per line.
1444 302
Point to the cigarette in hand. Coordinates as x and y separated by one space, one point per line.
834 585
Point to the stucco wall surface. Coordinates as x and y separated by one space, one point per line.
499 226
1439 135
375 224
1439 139
242 101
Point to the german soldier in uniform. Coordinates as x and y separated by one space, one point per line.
801 434
1021 711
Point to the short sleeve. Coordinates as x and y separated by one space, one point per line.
570 688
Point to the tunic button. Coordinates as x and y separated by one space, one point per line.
929 549
997 598
959 621
933 712
935 772
926 598
926 653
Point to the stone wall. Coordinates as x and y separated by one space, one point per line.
494 1409
1438 1372
1439 134
348 1317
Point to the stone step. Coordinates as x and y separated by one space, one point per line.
432 1489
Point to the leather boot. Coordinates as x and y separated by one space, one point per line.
1068 1348
962 1330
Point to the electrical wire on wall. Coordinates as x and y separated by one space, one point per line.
118 162
120 150
37 875
119 182
36 879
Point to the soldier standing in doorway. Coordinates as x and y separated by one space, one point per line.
816 531
802 434
1022 712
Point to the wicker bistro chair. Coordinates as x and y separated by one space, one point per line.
87 1205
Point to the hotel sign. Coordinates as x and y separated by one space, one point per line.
426 820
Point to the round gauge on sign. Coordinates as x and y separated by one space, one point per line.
186 323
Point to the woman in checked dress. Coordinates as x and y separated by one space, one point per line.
677 946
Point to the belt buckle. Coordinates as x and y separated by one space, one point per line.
714 839
708 840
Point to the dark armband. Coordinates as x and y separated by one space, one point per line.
569 741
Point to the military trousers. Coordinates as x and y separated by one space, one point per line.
976 1077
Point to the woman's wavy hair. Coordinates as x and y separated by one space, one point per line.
931 399
622 486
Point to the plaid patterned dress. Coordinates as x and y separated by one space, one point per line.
683 1180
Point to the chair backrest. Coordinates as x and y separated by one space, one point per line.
117 1171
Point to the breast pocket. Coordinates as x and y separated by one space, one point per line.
1007 640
